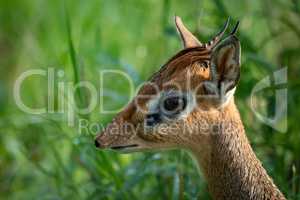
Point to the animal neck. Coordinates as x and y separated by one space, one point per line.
230 166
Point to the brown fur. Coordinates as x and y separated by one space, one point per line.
231 167
213 131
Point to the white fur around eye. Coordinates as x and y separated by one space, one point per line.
190 105
153 105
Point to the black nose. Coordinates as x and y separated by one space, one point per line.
97 144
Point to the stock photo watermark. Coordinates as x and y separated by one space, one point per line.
67 105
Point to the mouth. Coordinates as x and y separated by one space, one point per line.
124 148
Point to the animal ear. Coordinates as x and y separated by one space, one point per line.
225 68
188 39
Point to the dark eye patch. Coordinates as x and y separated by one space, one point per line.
153 119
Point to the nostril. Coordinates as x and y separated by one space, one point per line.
97 144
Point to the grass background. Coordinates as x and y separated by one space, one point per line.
42 157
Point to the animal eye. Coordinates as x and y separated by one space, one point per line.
169 106
173 105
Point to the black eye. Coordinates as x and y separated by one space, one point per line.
173 105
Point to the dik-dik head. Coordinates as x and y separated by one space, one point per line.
178 105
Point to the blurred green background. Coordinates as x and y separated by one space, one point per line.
42 157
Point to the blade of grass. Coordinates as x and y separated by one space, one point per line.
73 56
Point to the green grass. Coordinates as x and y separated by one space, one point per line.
42 157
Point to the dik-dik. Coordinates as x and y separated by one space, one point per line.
189 104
